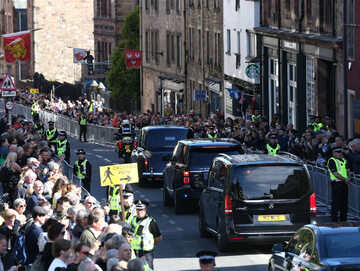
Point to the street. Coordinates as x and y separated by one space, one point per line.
181 239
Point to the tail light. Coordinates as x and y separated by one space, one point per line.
135 144
120 144
312 203
146 162
228 205
186 176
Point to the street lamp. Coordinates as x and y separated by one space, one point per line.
93 87
100 88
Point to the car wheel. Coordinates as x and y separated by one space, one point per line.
222 238
167 201
178 203
202 227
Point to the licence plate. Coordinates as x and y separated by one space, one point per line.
267 218
127 147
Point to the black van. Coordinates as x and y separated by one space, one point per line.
256 198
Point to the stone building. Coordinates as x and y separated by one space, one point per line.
163 58
204 58
301 56
109 16
62 26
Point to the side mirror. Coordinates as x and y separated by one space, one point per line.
278 247
165 158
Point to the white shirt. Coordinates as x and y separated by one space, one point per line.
56 263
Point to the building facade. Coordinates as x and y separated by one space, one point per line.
62 26
109 16
204 58
163 57
301 60
241 67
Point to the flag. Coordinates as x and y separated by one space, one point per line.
132 58
234 94
79 55
17 46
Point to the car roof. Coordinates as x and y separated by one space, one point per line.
200 142
158 127
260 159
336 227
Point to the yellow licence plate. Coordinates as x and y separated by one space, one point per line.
266 218
127 147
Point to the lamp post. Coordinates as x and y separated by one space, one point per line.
100 88
93 87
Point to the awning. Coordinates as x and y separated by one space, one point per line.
212 81
172 78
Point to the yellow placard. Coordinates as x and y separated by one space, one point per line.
34 90
119 174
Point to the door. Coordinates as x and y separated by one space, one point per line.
292 92
215 198
171 168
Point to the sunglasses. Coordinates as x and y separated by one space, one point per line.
22 205
87 253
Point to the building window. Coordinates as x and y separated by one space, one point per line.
310 89
178 51
251 42
168 50
147 5
292 93
238 55
172 49
110 49
207 4
178 6
152 45
208 47
98 51
237 5
156 5
191 3
228 41
216 4
199 44
191 42
350 30
147 41
273 91
215 49
220 52
168 6
156 47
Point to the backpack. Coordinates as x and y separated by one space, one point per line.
19 250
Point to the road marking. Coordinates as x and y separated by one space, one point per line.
142 196
99 156
180 229
164 215
89 153
172 222
107 160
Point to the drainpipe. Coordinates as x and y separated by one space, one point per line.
344 69
279 63
185 95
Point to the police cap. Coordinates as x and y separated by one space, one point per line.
273 136
80 151
51 123
141 204
206 256
62 133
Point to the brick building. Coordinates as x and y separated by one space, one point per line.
162 43
63 25
109 18
301 55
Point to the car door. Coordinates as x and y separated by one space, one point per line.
215 193
171 173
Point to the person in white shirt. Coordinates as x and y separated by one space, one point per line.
63 254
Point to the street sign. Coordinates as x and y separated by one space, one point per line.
200 95
8 83
34 90
8 93
9 105
119 174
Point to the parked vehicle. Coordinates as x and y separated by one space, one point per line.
188 167
331 246
153 143
256 198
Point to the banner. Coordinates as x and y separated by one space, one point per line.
234 94
79 55
132 58
17 46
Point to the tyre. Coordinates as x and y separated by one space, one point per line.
167 201
178 203
127 158
202 227
222 238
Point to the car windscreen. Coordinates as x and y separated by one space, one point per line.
165 138
203 157
342 245
269 182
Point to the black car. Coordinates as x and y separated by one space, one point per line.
331 246
256 198
153 143
188 167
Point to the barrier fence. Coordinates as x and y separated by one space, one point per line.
105 136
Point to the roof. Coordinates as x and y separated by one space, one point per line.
210 142
158 127
253 159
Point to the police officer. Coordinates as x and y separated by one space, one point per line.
207 260
83 126
255 115
51 135
146 233
39 127
35 109
272 147
63 147
130 208
212 133
339 176
82 169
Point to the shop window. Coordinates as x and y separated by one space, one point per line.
310 89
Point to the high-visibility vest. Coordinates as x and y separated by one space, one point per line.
35 108
144 241
130 214
80 174
255 116
114 201
272 150
39 128
340 168
61 147
211 136
50 134
83 121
